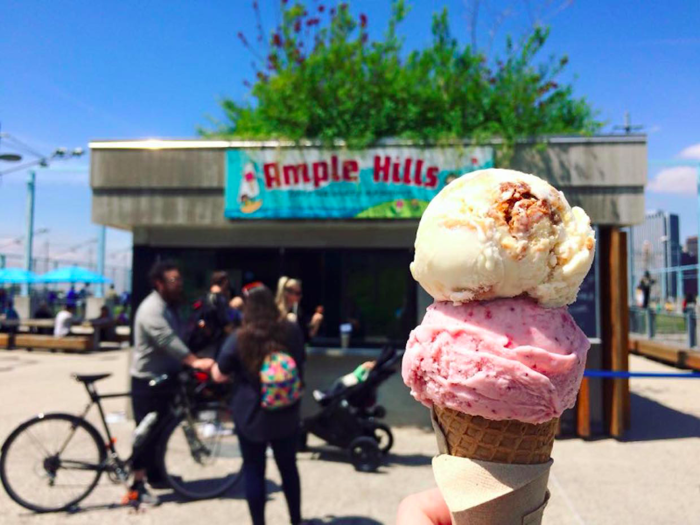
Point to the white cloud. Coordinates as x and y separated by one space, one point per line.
681 179
691 152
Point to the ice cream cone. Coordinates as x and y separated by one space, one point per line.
507 441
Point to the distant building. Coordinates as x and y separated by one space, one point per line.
690 277
691 246
655 246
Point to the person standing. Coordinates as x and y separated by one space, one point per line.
246 352
158 350
645 285
111 297
3 299
11 318
72 296
218 298
288 300
236 310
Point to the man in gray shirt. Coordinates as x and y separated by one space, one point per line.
158 350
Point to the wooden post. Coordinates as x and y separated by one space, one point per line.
615 327
583 410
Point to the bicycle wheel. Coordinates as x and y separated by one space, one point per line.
52 462
201 455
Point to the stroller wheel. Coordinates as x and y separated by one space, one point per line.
365 454
383 436
379 412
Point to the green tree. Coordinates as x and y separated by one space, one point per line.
323 79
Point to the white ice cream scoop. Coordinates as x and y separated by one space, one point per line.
502 233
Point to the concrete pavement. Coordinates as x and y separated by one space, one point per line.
650 477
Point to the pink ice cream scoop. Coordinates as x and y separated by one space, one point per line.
501 359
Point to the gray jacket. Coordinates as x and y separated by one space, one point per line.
158 347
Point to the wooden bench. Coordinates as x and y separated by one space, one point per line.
661 352
692 360
6 340
49 342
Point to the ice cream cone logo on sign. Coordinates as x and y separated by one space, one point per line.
249 191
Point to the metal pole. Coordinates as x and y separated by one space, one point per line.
690 321
29 238
697 297
698 196
663 289
101 243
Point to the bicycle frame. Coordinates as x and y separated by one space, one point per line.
122 466
95 399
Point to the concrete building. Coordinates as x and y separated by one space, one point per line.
690 277
170 194
179 199
690 257
656 247
691 245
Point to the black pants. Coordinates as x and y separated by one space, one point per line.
254 461
145 399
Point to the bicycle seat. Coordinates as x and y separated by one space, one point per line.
89 378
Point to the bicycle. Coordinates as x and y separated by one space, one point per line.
53 461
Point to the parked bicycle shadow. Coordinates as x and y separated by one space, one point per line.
168 496
409 460
335 455
236 492
343 520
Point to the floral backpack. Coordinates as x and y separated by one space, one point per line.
280 383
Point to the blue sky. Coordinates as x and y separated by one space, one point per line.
74 71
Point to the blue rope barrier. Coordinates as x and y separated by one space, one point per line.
612 374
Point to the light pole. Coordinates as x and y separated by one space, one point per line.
31 182
28 245
10 157
40 160
101 242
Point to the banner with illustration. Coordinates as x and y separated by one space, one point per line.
314 183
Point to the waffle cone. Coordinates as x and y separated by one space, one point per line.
507 441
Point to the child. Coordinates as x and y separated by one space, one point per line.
357 376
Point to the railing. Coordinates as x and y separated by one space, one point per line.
669 326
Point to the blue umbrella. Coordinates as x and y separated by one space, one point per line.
72 274
16 276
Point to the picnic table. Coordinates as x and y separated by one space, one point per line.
93 328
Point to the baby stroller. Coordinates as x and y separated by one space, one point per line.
348 418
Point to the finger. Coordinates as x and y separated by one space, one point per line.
424 508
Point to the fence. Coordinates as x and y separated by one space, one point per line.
120 275
669 326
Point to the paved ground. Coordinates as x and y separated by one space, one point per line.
651 477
